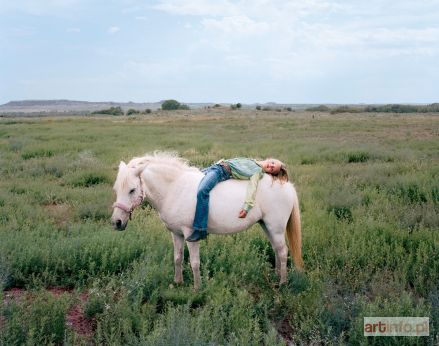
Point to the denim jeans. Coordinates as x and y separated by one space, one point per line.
212 176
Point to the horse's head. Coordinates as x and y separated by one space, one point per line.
129 194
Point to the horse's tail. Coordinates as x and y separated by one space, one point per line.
294 234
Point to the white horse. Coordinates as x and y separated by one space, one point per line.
170 185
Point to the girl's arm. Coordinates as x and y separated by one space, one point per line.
251 192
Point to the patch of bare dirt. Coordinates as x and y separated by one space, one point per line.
77 320
285 330
61 213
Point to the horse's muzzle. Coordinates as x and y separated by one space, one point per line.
118 225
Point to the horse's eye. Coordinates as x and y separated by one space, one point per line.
132 191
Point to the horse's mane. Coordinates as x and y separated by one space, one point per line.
164 157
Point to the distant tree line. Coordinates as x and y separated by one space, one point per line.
397 108
119 111
277 109
390 108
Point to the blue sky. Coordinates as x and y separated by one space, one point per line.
315 51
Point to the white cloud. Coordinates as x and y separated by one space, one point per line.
236 25
113 29
62 8
155 71
329 23
197 7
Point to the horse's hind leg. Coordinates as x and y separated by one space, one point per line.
276 236
178 241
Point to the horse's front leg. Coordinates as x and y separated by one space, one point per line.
194 256
178 241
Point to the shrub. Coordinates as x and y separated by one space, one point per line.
95 304
410 192
183 106
258 108
110 111
308 160
360 156
435 194
344 109
88 179
170 105
341 203
93 211
4 273
34 153
132 111
342 213
147 111
321 108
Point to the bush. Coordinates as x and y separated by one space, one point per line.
170 105
359 156
321 108
87 179
183 106
147 111
132 111
341 203
410 193
4 273
258 108
345 109
110 111
34 153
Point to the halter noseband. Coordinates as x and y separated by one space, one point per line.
136 203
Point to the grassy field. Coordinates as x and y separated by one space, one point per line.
368 187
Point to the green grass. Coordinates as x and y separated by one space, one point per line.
368 189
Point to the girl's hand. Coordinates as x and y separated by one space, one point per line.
242 214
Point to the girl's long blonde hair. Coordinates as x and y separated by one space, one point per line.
282 175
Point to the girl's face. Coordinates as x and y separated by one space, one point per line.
271 166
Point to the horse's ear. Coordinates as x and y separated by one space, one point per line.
139 169
122 164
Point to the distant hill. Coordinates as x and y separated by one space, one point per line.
70 107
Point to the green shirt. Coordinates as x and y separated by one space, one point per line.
246 169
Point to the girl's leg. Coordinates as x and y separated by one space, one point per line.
213 176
